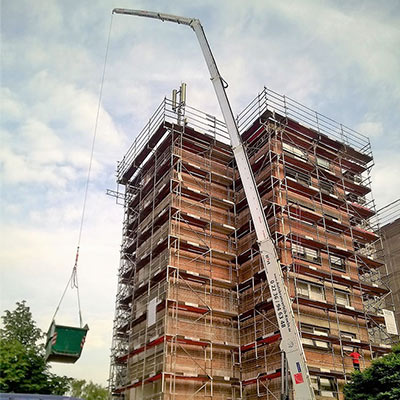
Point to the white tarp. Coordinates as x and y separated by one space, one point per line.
151 312
390 322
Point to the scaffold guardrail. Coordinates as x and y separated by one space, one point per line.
289 108
191 117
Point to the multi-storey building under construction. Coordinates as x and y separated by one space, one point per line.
194 316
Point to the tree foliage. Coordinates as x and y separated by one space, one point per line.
381 381
19 325
88 390
23 368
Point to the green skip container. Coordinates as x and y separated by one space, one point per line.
65 343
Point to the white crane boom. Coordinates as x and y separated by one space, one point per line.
290 338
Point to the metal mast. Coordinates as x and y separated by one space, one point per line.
290 338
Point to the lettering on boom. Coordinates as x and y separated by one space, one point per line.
280 308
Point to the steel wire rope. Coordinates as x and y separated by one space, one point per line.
73 280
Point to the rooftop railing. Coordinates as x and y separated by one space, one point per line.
215 128
188 116
291 109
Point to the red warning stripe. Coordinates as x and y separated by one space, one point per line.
54 339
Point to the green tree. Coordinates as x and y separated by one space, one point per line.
23 368
19 325
87 390
381 381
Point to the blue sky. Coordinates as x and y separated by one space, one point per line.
338 57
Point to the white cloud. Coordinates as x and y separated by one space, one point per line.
353 35
385 176
73 110
11 108
41 142
17 169
372 129
52 140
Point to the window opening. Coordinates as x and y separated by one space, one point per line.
342 298
294 150
338 263
316 331
323 162
311 291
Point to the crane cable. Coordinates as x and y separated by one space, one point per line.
73 280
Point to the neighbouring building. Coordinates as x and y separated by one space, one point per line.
388 252
194 317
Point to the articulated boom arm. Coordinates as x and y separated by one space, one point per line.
290 338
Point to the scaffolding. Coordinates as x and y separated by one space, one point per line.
194 316
313 177
175 331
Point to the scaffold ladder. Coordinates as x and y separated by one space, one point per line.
290 337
